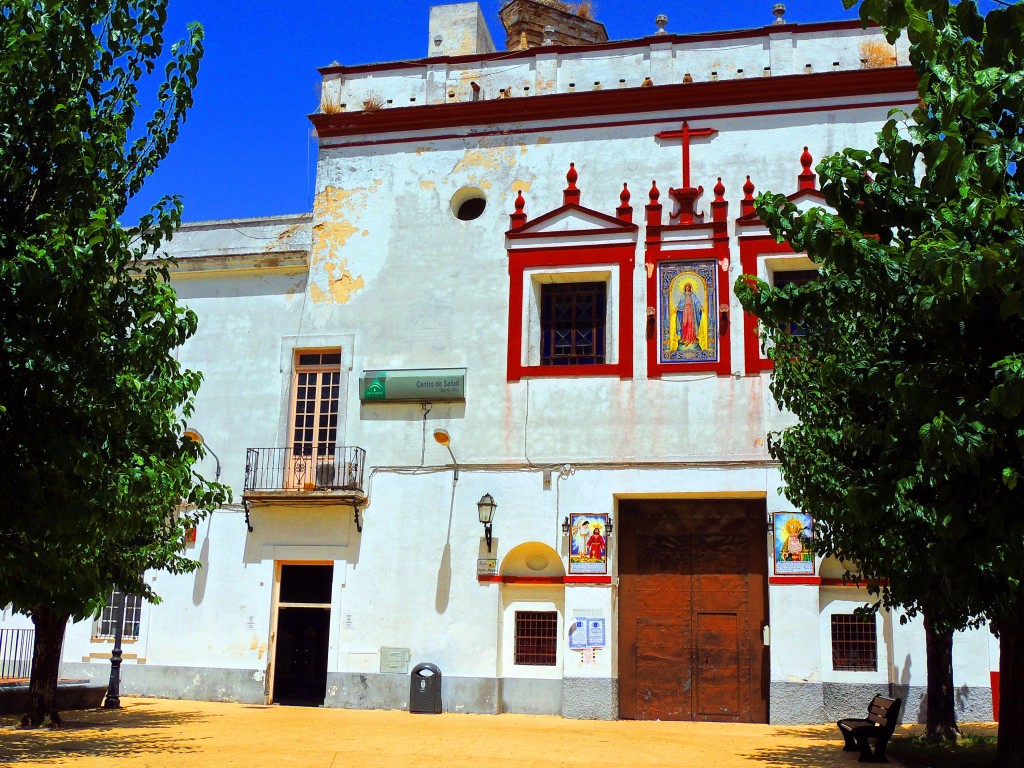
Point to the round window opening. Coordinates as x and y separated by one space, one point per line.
468 203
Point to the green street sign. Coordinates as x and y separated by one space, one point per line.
425 385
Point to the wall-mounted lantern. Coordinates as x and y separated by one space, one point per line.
485 510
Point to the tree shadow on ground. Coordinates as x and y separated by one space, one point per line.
824 747
140 728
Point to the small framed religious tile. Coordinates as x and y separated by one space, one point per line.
794 544
588 544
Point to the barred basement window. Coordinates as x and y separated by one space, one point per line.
572 323
854 643
106 624
536 638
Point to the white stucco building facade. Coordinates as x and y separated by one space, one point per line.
471 216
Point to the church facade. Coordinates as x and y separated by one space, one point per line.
513 300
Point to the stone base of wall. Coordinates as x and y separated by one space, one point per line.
972 705
351 690
165 682
531 697
587 698
805 703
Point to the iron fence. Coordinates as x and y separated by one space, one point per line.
16 649
305 469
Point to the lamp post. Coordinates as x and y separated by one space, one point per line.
485 510
441 437
194 435
113 700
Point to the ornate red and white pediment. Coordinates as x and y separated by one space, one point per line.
571 245
687 267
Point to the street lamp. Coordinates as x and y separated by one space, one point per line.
194 435
113 700
485 510
441 437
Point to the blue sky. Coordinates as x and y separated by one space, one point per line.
247 150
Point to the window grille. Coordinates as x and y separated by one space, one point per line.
106 625
572 323
854 643
795 277
536 638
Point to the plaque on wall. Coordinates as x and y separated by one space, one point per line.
794 544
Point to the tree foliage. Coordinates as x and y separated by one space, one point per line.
92 397
909 386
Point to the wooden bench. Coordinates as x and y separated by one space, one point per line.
883 713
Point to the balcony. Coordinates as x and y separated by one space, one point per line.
305 475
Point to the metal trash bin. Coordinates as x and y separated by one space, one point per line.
425 690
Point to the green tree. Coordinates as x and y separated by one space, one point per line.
92 399
909 386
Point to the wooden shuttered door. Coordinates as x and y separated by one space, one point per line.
693 581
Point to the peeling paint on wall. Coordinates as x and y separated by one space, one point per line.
282 239
428 185
333 211
340 285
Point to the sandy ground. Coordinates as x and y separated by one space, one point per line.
156 733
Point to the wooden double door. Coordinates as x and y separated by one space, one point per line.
693 586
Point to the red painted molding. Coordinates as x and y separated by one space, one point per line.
559 107
508 56
751 247
495 579
605 124
833 582
797 580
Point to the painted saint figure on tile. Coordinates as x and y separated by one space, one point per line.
689 314
688 325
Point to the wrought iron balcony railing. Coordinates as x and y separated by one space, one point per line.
338 469
16 650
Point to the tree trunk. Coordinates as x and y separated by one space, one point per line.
941 707
1010 752
42 691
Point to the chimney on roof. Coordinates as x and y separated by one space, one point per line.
458 30
570 23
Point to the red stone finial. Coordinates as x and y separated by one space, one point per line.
518 218
625 210
806 177
747 203
571 193
653 209
719 207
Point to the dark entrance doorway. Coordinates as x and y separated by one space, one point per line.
303 630
693 592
